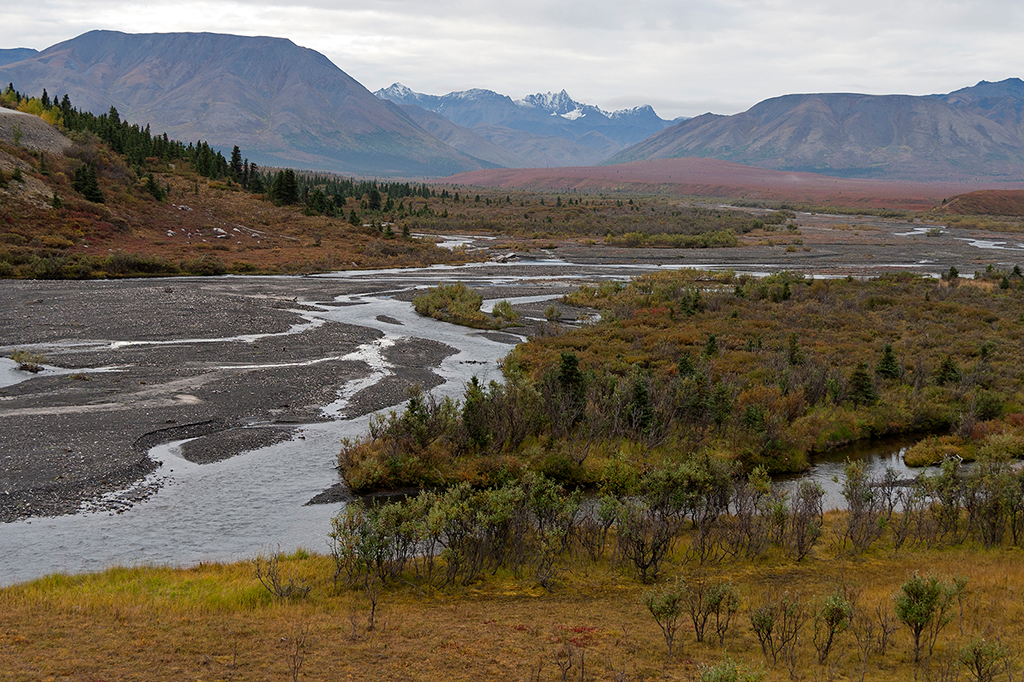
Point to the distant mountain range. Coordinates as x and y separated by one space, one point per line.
290 106
286 105
539 130
971 133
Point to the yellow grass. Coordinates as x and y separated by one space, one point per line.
216 622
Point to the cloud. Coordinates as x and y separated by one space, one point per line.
682 57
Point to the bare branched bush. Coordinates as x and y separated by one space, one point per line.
644 536
806 519
297 646
776 623
267 567
864 521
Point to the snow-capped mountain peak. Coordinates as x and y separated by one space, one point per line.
559 103
395 90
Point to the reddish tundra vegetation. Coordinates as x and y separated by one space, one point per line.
714 178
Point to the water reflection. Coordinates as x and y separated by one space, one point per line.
878 456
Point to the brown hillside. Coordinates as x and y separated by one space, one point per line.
987 202
722 179
49 230
971 135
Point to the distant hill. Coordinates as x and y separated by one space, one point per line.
542 130
971 134
281 103
1000 202
16 55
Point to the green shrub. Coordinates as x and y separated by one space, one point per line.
728 671
455 303
504 311
28 361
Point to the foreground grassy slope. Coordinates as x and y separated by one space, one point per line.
216 622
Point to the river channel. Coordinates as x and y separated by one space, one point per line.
255 501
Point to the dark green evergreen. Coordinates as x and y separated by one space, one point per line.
862 386
685 366
888 366
794 352
235 168
948 371
154 188
285 189
711 347
87 184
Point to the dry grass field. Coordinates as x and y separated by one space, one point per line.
216 622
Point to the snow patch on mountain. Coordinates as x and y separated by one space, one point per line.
555 103
559 103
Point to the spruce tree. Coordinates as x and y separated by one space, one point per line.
86 183
291 187
711 347
888 366
255 180
862 386
154 188
948 372
285 190
236 164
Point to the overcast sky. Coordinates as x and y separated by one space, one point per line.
684 57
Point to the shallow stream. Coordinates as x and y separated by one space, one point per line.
252 502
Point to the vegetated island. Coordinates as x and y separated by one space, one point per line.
694 366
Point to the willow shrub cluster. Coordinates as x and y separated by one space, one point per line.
534 527
756 372
459 304
656 223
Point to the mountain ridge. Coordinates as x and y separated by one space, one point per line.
971 133
286 105
16 54
543 129
283 104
